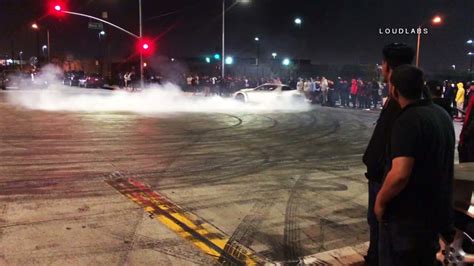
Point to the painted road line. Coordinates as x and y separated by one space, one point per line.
203 235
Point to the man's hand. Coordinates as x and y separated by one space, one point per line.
394 183
379 210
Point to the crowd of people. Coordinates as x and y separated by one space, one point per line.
354 93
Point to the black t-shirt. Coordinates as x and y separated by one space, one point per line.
425 132
375 156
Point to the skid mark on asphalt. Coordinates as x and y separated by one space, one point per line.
203 235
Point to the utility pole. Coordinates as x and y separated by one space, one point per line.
141 36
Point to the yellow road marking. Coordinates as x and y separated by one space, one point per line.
203 235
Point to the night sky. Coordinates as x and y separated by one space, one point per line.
333 31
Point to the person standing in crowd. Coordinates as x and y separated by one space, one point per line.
324 90
354 91
466 139
127 79
375 93
361 93
300 85
307 88
460 99
375 157
337 90
344 92
310 95
436 90
415 204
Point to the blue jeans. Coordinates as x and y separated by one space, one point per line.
373 252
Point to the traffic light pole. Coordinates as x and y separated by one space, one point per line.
101 20
122 29
141 35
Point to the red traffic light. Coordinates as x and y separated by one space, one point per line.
145 46
56 8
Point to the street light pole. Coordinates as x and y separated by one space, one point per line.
223 40
418 48
49 45
435 20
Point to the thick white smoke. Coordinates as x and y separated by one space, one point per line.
155 100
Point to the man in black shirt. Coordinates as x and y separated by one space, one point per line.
415 203
394 55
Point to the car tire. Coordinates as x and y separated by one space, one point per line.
240 97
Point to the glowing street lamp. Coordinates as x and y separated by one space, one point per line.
469 42
298 21
435 21
286 62
34 26
274 55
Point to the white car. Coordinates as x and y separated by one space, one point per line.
268 92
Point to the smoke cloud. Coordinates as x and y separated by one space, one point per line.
165 99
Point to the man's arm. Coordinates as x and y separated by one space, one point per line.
394 183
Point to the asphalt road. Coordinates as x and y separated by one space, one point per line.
283 185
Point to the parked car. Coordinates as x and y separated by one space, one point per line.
13 79
71 78
91 81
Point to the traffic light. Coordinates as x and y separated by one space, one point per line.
229 60
57 8
145 46
217 56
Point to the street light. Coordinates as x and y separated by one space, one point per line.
469 42
274 55
36 27
44 48
223 33
286 62
229 60
454 67
436 20
298 21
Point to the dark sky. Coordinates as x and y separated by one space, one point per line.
333 31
